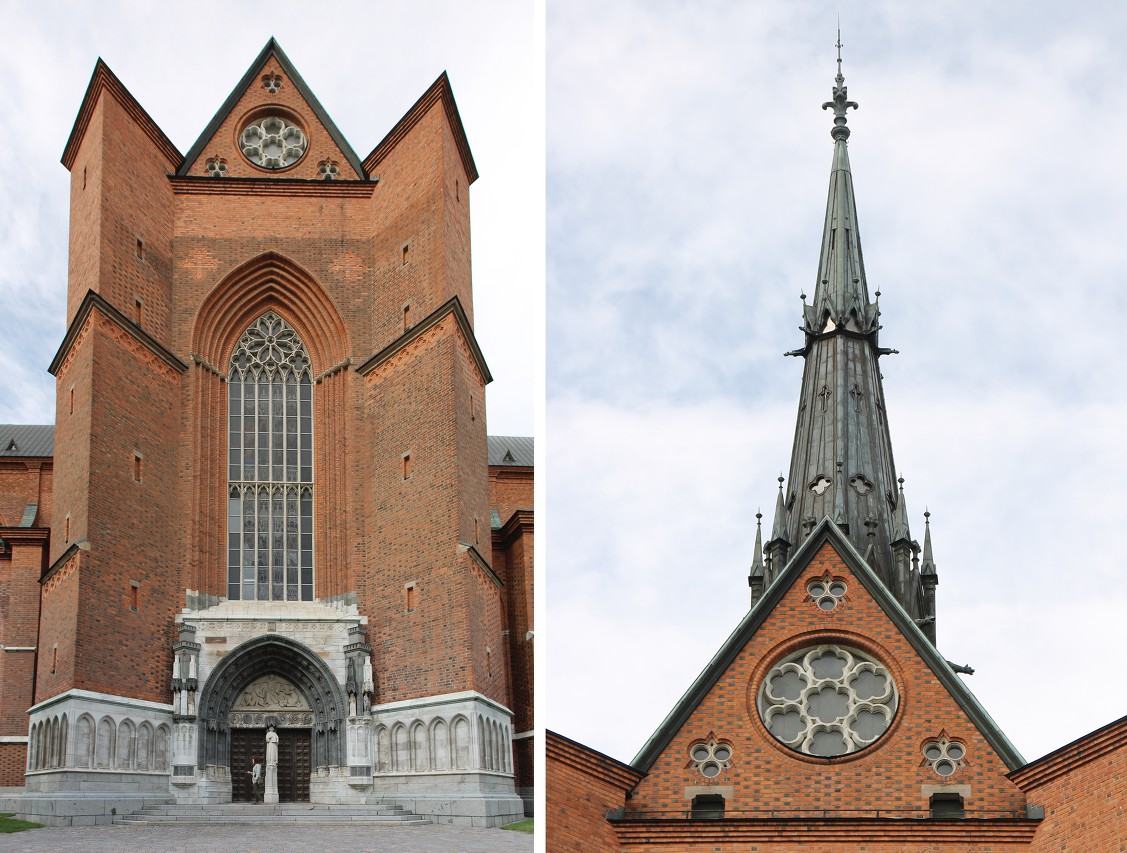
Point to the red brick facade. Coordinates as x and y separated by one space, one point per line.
168 268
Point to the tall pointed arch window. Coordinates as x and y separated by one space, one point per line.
270 466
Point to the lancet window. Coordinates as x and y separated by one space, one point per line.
270 465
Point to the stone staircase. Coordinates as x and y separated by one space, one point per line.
296 813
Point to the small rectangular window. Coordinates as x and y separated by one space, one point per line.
410 599
947 806
406 466
140 249
134 595
72 399
54 659
137 467
66 529
407 316
405 248
137 310
708 807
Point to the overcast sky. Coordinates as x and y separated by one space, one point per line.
688 161
367 62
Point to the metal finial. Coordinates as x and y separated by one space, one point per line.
840 79
781 481
840 102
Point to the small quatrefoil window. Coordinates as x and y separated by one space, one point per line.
271 82
827 592
944 756
217 167
328 170
861 484
820 484
710 757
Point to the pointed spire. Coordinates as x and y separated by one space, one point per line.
900 516
842 464
757 554
927 566
779 528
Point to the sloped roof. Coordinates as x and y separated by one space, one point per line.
37 440
511 450
272 48
826 531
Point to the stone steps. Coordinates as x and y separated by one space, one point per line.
247 813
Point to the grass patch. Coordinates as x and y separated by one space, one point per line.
521 826
10 824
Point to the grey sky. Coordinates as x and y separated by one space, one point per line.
688 160
366 62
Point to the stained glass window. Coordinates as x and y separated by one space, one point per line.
270 466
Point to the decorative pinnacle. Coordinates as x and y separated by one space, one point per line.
840 102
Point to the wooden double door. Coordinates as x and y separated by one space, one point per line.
294 763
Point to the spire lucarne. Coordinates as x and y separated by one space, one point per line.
841 463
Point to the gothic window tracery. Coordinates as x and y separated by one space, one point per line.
270 465
828 700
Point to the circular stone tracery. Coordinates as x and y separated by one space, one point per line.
273 142
828 700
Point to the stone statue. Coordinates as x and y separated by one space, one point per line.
271 748
271 766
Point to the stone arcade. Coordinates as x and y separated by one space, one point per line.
269 498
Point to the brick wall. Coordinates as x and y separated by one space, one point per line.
582 786
1083 788
765 774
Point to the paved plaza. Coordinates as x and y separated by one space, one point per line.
265 839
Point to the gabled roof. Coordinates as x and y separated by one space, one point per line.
439 90
30 440
511 450
825 532
272 48
105 80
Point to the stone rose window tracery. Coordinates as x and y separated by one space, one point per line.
710 757
270 465
827 591
273 141
945 756
828 700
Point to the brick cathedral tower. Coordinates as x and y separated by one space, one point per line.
272 501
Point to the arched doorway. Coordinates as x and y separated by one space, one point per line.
314 713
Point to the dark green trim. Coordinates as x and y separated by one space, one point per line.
453 305
272 47
826 531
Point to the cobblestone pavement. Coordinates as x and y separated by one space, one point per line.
265 839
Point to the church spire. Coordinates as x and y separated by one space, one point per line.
841 464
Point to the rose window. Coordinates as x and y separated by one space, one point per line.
944 756
710 757
273 142
827 592
828 700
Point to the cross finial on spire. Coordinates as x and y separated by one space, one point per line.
840 102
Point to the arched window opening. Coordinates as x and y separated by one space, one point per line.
270 466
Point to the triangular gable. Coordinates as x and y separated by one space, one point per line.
271 50
439 90
104 80
825 532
